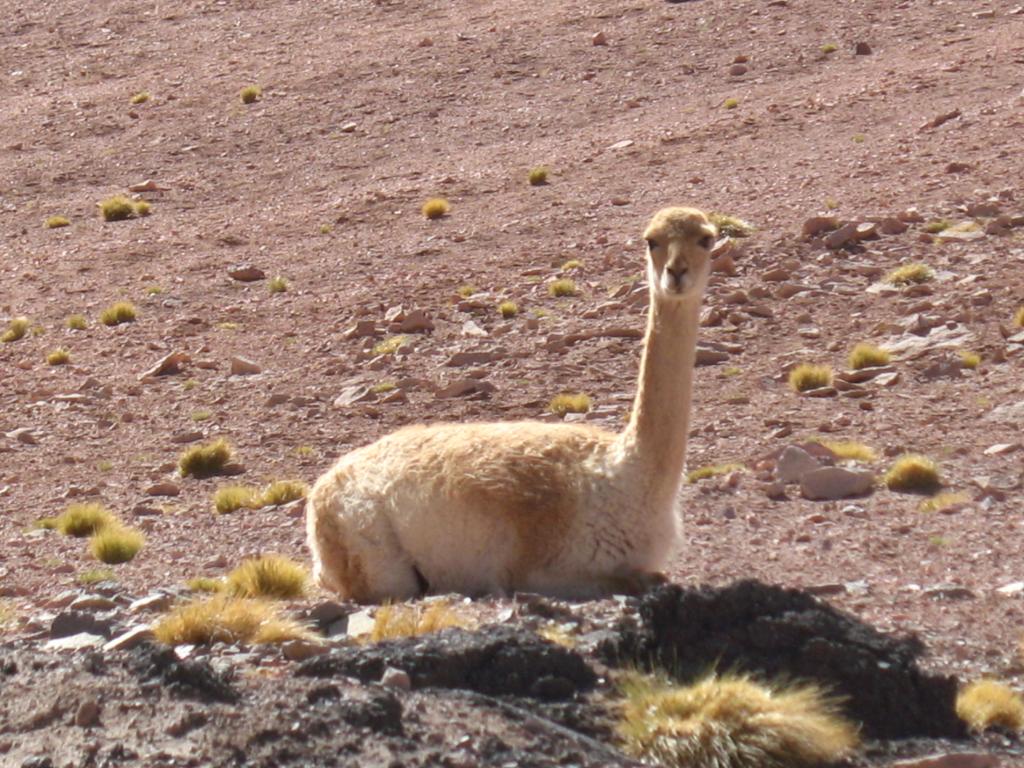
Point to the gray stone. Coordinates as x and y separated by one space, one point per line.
836 483
396 678
352 395
92 603
67 623
241 366
155 602
75 642
840 237
794 463
130 639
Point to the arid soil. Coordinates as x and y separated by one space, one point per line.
368 109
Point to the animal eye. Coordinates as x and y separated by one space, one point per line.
651 244
706 242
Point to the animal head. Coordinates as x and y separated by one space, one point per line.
679 243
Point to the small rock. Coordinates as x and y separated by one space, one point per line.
960 236
464 387
348 128
817 225
460 359
793 463
1000 449
838 238
326 612
92 603
599 38
163 489
155 602
167 366
736 70
396 678
241 366
707 356
246 273
470 328
949 592
355 394
88 713
67 623
75 642
950 760
24 435
416 321
938 120
359 624
622 144
300 650
1013 588
187 437
890 225
862 49
361 329
836 483
134 637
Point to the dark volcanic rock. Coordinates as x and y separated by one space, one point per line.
786 633
493 660
195 679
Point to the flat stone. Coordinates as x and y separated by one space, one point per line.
836 483
300 650
167 366
949 592
92 603
246 273
1000 449
950 760
155 602
840 237
187 437
327 612
359 624
793 463
163 489
621 144
464 387
710 356
817 225
132 638
362 329
355 394
242 366
1011 589
472 358
74 642
68 622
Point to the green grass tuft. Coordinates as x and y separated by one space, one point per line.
16 329
142 207
465 291
250 94
205 460
231 498
85 519
1018 318
867 356
910 273
572 264
850 450
562 287
828 48
508 309
59 357
117 313
969 359
271 576
92 576
56 222
435 208
806 377
117 208
115 544
224 619
568 402
913 473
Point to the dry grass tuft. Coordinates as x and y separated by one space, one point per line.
562 287
117 208
712 470
283 492
93 576
935 226
867 356
59 357
142 207
16 329
538 176
231 498
278 284
56 222
389 345
508 309
1018 318
913 473
910 274
806 377
569 402
234 620
435 208
205 584
730 721
850 450
572 264
77 322
117 313
731 226
986 704
115 544
945 501
205 460
85 519
828 48
393 621
140 98
465 291
731 103
969 359
250 94
268 576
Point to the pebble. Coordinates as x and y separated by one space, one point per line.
155 602
862 49
840 237
187 437
817 225
1013 588
88 713
621 144
835 483
464 387
470 328
75 642
167 366
416 321
241 366
736 70
362 329
130 639
949 592
163 489
396 678
246 273
599 38
24 435
300 650
793 463
1000 449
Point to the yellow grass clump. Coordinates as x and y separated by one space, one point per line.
250 94
851 450
435 208
84 519
140 98
910 273
115 544
868 356
508 309
538 176
16 329
268 576
231 498
562 287
568 402
206 584
985 704
278 284
59 357
117 208
389 345
77 322
805 377
731 226
142 207
393 621
731 103
731 721
1018 318
969 359
117 313
913 473
205 460
946 500
282 492
225 619
712 470
935 226
56 222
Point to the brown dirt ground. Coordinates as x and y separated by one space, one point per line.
369 108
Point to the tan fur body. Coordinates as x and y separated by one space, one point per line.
555 508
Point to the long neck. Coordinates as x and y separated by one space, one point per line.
656 435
